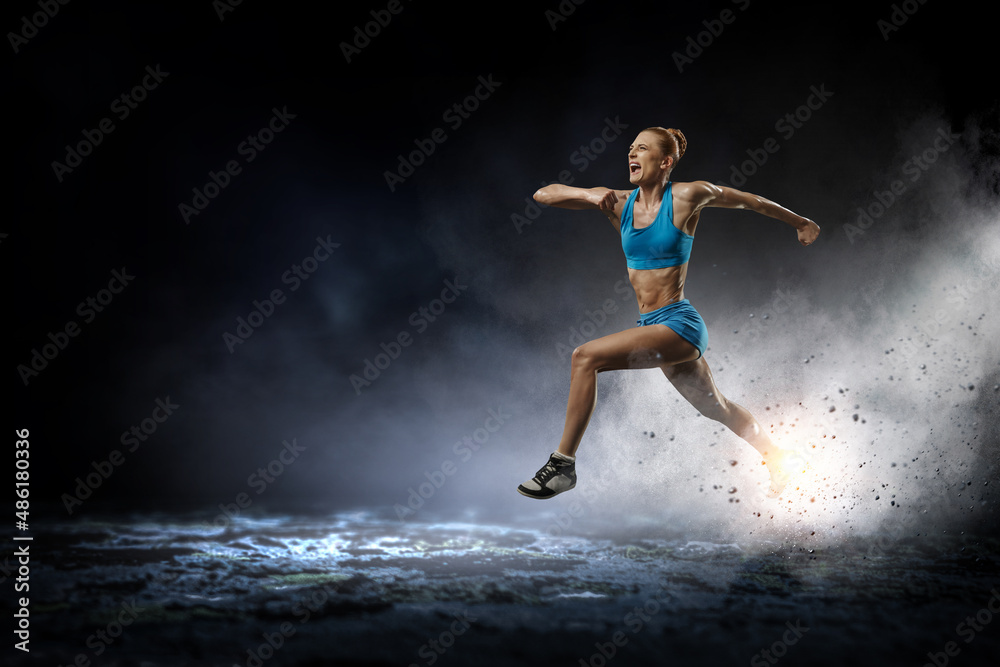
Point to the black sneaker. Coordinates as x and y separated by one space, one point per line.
553 478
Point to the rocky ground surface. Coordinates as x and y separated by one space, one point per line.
357 589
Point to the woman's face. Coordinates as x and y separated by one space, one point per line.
646 161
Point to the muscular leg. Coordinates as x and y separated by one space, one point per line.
640 347
694 381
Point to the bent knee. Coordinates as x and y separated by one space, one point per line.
582 356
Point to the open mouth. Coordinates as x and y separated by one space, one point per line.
633 167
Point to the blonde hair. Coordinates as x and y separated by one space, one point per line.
672 141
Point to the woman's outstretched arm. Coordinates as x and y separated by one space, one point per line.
607 201
565 196
721 196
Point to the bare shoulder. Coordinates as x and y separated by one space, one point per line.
696 193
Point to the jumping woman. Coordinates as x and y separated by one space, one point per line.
657 221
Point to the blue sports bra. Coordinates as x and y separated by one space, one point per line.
660 244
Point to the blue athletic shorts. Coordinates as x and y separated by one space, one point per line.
683 319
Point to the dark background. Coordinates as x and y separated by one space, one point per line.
494 348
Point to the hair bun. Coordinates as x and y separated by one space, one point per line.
681 141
